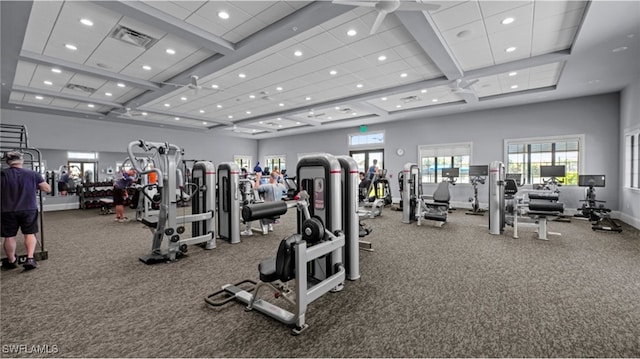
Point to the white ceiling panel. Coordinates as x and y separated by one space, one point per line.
467 42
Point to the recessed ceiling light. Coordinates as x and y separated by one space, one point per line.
297 123
279 88
120 84
177 118
254 130
281 104
510 49
204 122
248 112
621 48
513 73
108 94
354 113
144 113
86 22
219 106
382 58
241 75
403 75
56 70
230 116
424 90
223 15
91 105
298 53
333 72
214 86
307 98
171 51
434 100
261 122
398 106
279 126
167 104
39 97
330 118
252 96
507 21
183 98
384 99
352 32
201 111
71 47
49 83
146 67
337 108
514 86
311 112
279 118
359 85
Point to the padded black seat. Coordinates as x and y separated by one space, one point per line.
510 188
549 196
541 206
283 266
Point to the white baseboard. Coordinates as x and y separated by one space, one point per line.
635 222
60 207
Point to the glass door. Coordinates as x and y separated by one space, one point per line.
365 158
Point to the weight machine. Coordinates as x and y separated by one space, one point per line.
167 242
15 138
415 205
598 214
519 208
478 174
319 257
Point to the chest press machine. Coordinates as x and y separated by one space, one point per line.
167 241
319 257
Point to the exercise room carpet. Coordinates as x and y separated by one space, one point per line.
455 291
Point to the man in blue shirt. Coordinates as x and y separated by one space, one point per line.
120 194
20 208
272 192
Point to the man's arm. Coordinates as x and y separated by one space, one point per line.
44 186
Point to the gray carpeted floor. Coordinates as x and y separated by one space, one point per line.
454 291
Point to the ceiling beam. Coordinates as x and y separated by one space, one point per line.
169 24
14 17
86 70
66 96
372 108
539 60
423 29
298 22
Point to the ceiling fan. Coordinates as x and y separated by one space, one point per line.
461 86
193 85
385 7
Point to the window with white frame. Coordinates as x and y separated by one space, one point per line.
435 158
632 159
366 139
243 162
526 155
272 162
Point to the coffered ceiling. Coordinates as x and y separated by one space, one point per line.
276 68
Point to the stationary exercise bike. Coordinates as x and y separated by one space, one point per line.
479 174
594 210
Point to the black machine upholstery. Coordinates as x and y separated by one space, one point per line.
283 266
510 188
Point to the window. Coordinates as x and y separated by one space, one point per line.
243 162
526 155
276 161
435 158
632 159
82 155
366 139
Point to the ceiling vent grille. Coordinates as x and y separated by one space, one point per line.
132 37
346 110
410 99
80 88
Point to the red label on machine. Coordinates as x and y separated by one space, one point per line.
318 193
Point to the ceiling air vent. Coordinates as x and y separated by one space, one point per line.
410 99
81 88
346 110
132 37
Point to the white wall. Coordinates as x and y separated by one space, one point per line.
63 133
629 199
597 117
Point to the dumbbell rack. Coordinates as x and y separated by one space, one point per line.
92 193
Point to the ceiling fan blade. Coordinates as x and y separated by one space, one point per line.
470 83
356 3
378 22
414 6
194 81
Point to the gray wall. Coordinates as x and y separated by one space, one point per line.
61 133
597 117
629 199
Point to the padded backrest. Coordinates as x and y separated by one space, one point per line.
510 187
441 194
285 259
